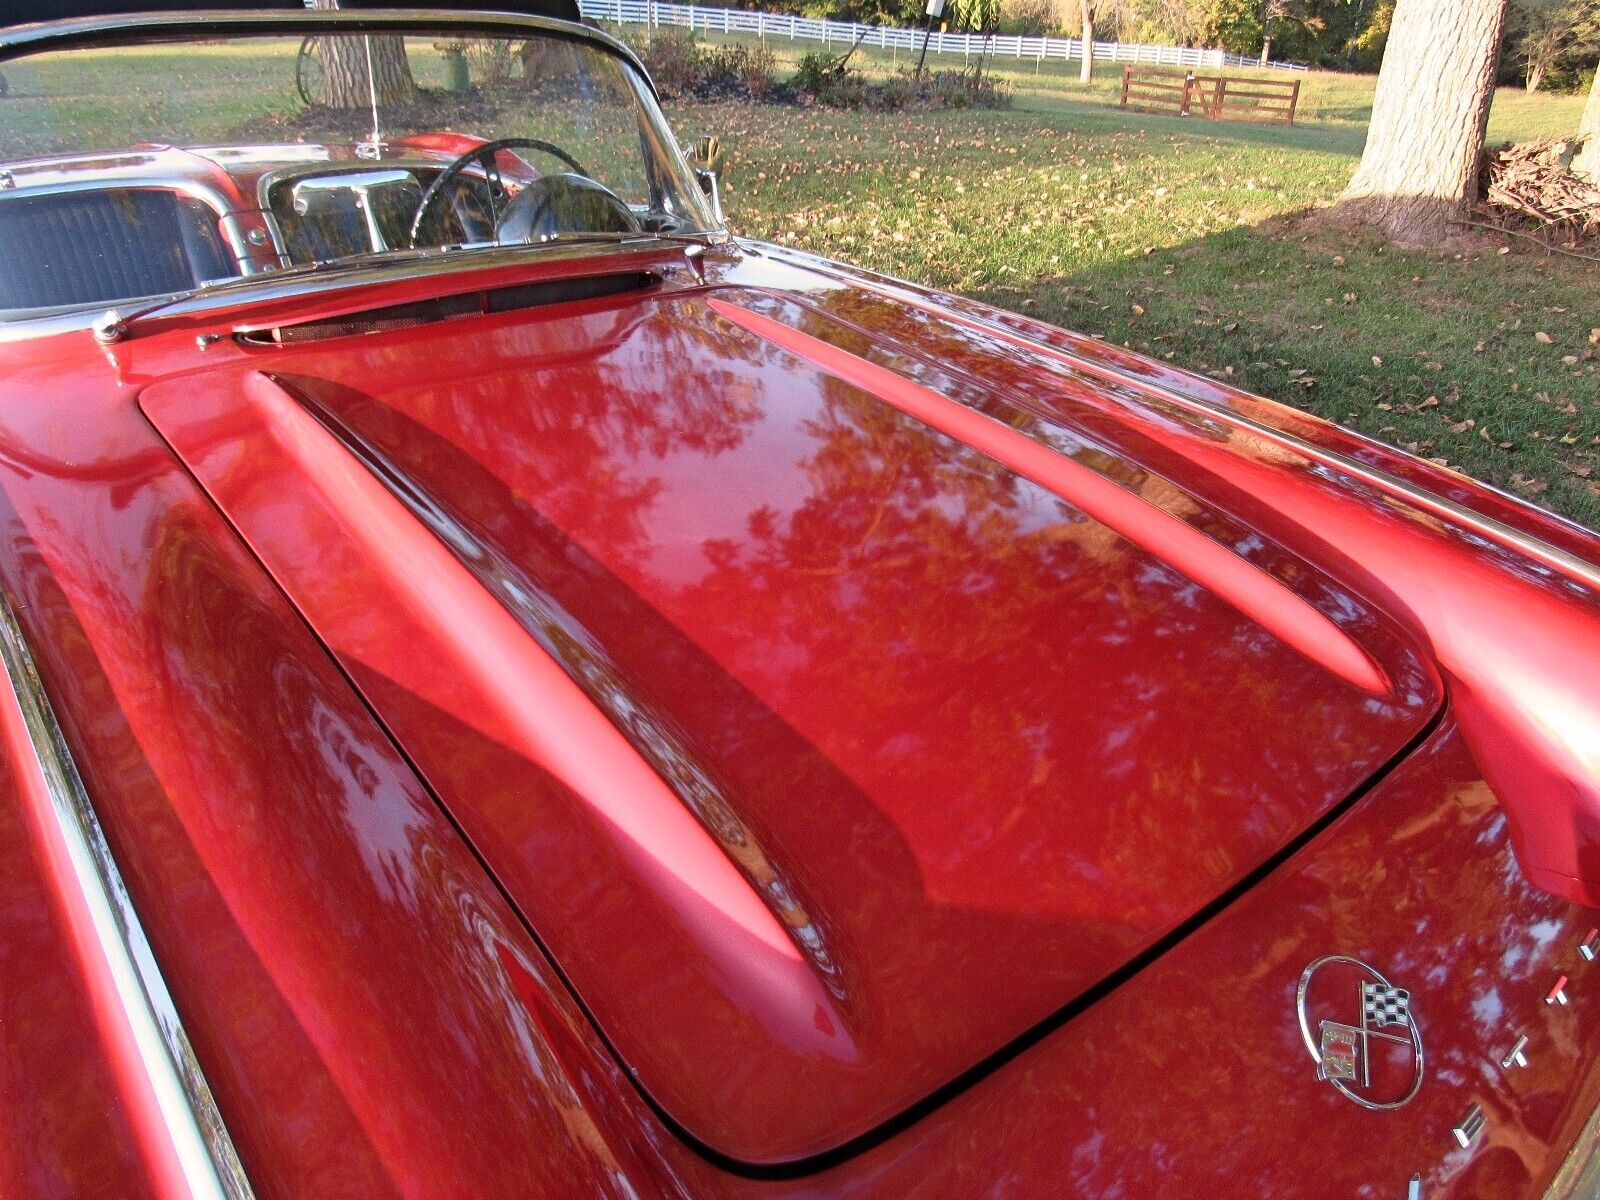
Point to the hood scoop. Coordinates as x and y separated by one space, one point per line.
802 719
479 303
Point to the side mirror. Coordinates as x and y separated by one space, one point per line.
705 160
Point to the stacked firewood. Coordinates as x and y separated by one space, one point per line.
1533 184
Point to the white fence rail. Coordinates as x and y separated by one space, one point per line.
890 37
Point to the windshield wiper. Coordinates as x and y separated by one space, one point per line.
618 236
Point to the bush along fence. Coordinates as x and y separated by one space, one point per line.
891 37
1216 97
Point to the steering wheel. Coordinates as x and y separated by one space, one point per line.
484 153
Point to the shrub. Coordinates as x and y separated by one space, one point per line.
829 80
490 60
816 72
896 93
682 68
969 87
673 60
743 71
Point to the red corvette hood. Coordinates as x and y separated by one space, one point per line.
833 716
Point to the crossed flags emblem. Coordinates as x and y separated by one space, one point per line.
1346 1046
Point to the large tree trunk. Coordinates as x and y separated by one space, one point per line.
1587 163
344 69
1086 11
1420 166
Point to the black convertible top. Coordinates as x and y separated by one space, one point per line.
22 12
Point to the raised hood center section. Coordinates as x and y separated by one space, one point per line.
826 753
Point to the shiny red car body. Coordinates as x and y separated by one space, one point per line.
758 729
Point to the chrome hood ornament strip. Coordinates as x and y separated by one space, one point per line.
199 1155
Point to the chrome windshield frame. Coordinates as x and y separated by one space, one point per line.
81 33
102 32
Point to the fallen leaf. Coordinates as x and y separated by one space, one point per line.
1543 338
1377 360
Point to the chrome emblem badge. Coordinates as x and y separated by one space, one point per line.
1360 1031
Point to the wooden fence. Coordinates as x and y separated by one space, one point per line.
1215 97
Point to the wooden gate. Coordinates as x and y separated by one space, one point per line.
1215 97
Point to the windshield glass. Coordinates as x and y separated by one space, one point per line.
152 170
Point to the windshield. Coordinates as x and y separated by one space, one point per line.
152 170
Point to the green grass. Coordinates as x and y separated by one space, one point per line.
1180 238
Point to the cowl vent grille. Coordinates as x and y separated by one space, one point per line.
446 308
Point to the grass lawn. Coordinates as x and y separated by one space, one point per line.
1181 238
1186 240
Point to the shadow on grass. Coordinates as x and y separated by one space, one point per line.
1439 353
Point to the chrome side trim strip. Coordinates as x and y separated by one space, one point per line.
1579 1176
200 1142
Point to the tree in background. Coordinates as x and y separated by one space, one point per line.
1366 46
980 16
1420 166
1030 18
1587 163
1086 15
869 12
344 68
1232 25
1551 36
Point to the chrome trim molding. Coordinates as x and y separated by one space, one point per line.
332 279
199 1140
1579 1176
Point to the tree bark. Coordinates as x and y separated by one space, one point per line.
1086 11
1587 163
1420 167
344 68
